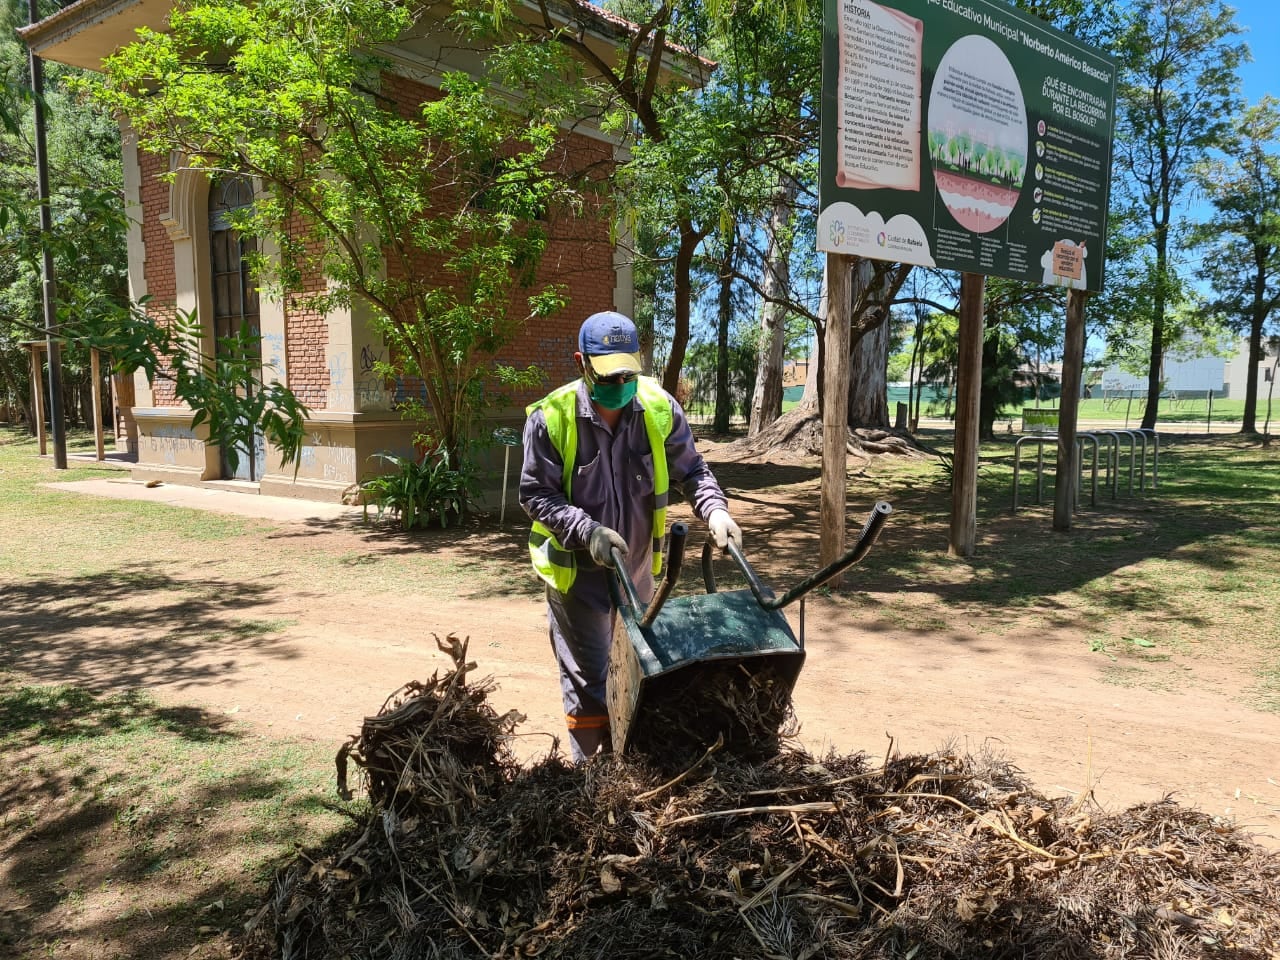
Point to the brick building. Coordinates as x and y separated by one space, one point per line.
184 256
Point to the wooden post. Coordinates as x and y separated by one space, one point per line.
95 371
1064 491
125 428
37 396
835 410
964 461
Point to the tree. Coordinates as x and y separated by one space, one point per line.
686 150
88 225
1242 264
766 400
761 96
1177 93
644 104
435 218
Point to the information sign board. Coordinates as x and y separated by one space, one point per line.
967 135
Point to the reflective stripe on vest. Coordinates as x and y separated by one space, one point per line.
552 562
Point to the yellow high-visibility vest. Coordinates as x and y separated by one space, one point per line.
553 563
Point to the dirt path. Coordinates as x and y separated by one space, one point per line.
1038 701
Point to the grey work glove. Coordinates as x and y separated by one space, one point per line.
723 529
602 541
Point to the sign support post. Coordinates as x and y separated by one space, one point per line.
1068 473
964 460
835 410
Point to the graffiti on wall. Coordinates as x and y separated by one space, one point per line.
357 390
171 445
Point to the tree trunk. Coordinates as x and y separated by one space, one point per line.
868 389
724 402
987 397
867 289
766 400
915 381
1249 420
812 375
683 295
1156 362
873 287
20 389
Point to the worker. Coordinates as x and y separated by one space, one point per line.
600 455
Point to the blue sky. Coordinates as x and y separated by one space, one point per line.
1262 17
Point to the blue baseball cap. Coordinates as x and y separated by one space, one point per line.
611 343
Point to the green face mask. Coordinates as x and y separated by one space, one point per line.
613 396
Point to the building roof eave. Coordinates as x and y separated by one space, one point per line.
86 32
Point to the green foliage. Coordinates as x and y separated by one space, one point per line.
418 491
87 236
227 391
1243 261
434 216
1177 90
700 371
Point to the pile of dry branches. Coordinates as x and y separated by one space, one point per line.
683 710
464 854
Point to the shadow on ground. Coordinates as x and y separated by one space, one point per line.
158 628
108 841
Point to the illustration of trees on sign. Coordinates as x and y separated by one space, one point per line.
977 133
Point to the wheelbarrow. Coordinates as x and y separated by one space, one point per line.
721 665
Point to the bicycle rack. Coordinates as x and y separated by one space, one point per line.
1040 440
1104 441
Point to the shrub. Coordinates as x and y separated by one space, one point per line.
418 491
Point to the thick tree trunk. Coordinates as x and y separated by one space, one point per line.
873 289
766 401
801 432
868 389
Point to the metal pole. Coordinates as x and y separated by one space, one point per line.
57 424
506 464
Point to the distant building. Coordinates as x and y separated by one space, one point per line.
1196 376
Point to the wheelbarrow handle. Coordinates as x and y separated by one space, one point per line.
765 597
675 560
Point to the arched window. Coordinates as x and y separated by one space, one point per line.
235 298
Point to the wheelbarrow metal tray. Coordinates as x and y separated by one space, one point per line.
659 671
